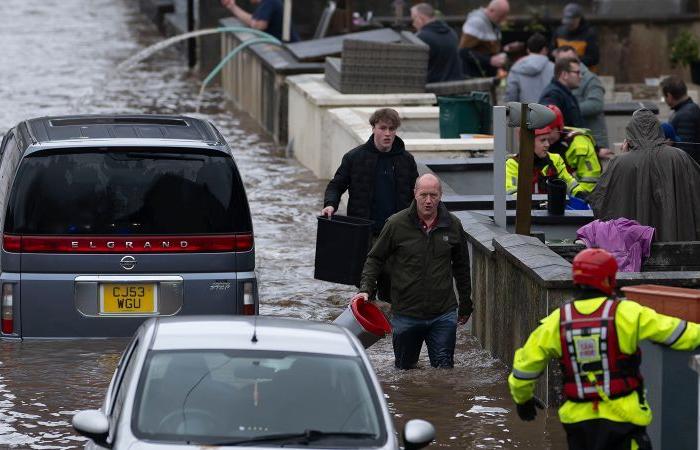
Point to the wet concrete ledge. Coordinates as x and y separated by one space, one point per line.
517 280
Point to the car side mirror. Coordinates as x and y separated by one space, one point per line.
92 424
417 433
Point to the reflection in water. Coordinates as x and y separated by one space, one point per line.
54 52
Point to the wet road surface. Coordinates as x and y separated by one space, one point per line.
57 58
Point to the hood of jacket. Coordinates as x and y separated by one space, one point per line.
531 65
397 148
437 26
644 131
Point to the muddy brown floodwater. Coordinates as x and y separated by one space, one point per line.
57 54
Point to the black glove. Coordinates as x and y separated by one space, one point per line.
527 411
583 195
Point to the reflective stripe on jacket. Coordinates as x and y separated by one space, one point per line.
592 364
583 159
557 170
633 323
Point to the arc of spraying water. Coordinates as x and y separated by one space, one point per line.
152 49
227 58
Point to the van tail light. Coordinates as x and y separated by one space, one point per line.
8 321
239 242
248 299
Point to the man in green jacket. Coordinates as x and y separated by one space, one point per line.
423 248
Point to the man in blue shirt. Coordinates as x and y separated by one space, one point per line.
267 16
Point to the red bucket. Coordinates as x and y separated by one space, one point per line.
365 321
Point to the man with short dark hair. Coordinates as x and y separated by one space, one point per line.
443 60
530 75
590 94
686 115
424 249
567 76
267 17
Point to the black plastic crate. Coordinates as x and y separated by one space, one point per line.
342 244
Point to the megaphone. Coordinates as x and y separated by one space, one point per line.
539 116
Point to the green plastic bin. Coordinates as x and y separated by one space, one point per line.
469 113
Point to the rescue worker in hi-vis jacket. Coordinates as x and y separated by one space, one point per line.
595 337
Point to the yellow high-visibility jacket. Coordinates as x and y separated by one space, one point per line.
633 323
583 159
558 168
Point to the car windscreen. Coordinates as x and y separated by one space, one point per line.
232 397
127 192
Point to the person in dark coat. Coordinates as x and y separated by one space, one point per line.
577 33
379 175
567 76
424 249
686 115
444 63
652 183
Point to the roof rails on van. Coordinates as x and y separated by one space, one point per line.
46 129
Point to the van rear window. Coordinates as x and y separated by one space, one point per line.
129 192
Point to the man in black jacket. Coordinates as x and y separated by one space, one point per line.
686 115
577 33
444 63
567 76
379 175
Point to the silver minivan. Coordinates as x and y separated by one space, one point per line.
108 220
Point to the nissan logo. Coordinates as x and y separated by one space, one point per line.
127 262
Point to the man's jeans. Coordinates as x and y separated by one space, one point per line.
439 334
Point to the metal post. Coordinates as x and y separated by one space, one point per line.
287 21
500 132
525 166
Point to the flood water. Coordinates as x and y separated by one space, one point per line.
57 54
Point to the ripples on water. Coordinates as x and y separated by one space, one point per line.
56 54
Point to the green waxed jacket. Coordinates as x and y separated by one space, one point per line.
421 266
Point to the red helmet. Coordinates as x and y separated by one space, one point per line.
541 131
596 268
558 121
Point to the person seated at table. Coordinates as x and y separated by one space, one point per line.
547 166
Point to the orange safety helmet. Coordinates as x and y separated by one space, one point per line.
596 268
558 121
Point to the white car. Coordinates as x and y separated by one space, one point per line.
245 382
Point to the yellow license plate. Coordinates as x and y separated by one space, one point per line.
127 298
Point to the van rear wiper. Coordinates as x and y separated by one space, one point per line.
303 438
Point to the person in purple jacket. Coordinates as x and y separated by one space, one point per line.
267 16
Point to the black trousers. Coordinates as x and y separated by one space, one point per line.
602 434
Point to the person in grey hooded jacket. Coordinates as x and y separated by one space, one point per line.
590 95
530 74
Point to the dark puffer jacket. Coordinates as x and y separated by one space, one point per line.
686 121
357 173
557 94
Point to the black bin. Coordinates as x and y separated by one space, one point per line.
556 196
342 244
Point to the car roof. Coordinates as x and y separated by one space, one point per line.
236 332
117 127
